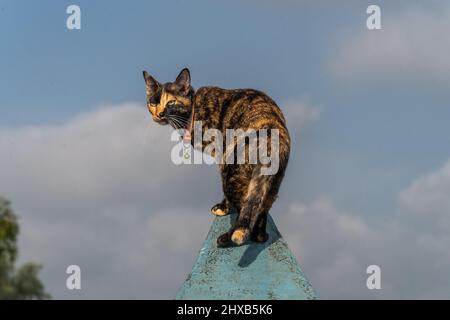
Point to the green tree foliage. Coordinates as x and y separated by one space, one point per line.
22 283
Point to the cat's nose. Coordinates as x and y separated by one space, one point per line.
162 114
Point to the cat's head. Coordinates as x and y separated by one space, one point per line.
171 102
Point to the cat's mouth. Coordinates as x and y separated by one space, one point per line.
161 121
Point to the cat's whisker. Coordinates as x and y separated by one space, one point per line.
172 123
177 116
179 127
181 124
180 118
178 123
175 124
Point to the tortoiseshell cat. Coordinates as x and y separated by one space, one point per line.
245 188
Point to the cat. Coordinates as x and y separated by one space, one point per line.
245 188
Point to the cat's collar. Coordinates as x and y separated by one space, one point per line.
187 132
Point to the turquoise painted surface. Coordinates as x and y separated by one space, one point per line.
252 271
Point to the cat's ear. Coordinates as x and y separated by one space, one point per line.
151 83
183 81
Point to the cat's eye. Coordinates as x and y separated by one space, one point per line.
171 103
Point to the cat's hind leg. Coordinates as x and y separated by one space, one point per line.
259 233
253 208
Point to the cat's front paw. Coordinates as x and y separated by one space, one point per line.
240 235
220 210
224 241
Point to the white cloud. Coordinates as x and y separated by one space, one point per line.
87 159
411 45
425 208
411 245
429 194
426 203
334 248
100 191
123 252
299 114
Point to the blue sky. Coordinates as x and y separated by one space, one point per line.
382 117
